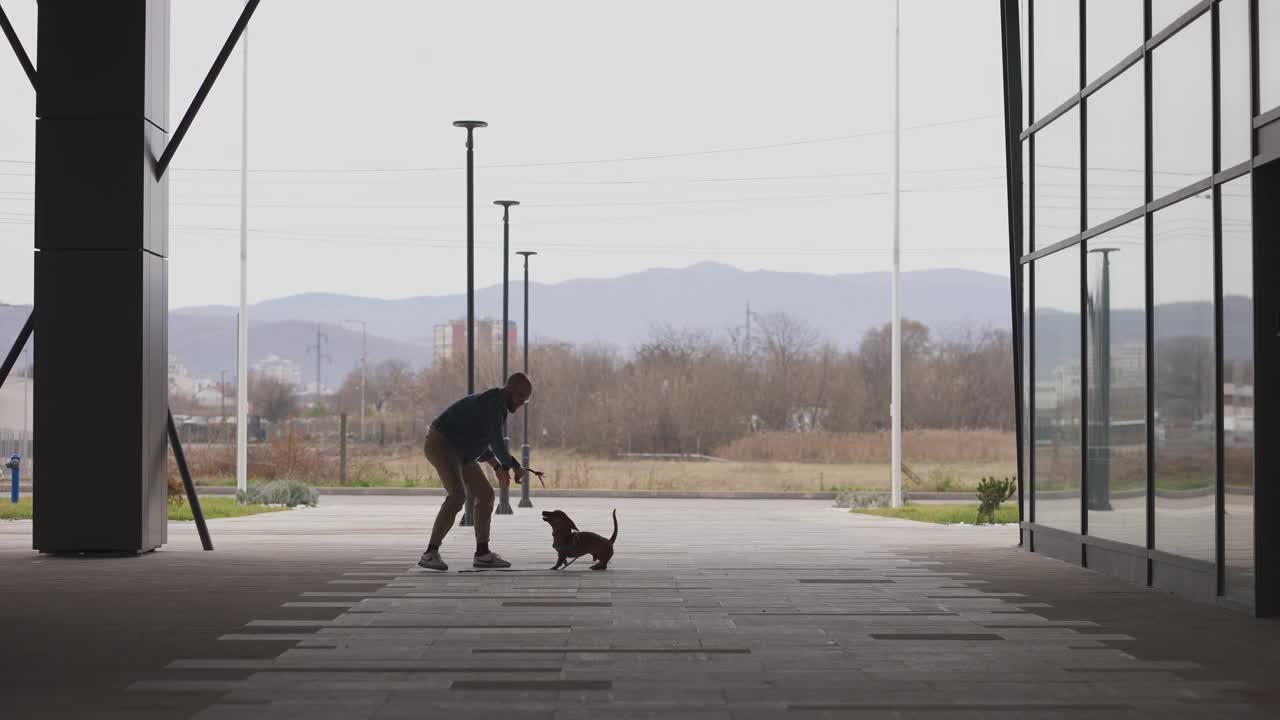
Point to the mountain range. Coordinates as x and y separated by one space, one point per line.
619 311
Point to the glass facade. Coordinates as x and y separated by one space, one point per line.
1056 348
1138 353
1117 148
1182 109
1115 317
1184 391
1113 29
1057 180
1056 52
1268 55
1236 115
1237 386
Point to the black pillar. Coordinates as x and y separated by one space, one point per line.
101 275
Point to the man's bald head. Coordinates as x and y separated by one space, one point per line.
519 389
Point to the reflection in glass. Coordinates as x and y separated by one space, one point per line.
1268 54
1113 29
1057 191
1236 114
1116 464
1026 196
1164 12
1024 46
1184 390
1116 152
1057 53
1057 390
1237 386
1026 388
1182 109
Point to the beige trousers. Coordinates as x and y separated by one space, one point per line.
458 478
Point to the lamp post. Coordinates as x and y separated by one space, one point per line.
525 502
469 508
1099 457
504 493
364 366
895 382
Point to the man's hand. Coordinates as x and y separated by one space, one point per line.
504 477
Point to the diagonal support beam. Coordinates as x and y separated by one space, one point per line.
18 50
16 350
192 499
163 163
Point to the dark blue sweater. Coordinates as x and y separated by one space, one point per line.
474 426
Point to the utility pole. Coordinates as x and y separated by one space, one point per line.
895 407
242 320
321 356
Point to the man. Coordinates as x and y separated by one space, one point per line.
469 432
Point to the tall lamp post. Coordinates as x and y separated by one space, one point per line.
895 382
1099 468
504 494
525 502
469 508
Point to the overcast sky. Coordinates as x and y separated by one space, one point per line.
635 135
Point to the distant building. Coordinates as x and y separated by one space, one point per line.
280 369
451 337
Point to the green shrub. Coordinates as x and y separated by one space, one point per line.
992 492
291 493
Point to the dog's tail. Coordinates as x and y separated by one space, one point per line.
614 536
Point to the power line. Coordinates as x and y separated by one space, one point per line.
595 161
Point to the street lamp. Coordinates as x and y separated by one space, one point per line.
364 366
525 502
469 508
504 494
1099 456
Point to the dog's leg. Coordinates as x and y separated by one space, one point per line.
603 562
559 562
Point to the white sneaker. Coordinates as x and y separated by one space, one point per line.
490 560
432 561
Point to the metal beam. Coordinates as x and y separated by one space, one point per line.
192 499
16 350
1012 57
163 163
18 50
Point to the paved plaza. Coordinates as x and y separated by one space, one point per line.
711 609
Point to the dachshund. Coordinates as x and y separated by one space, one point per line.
570 542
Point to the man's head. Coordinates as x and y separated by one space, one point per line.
519 389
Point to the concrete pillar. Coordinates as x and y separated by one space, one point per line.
101 275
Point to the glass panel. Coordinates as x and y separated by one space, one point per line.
1237 388
1026 195
1057 390
1057 53
1113 29
1117 339
1026 386
1117 152
1182 109
1268 54
1185 397
1057 180
1237 116
1164 12
1024 46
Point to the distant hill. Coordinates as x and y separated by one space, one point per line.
619 311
